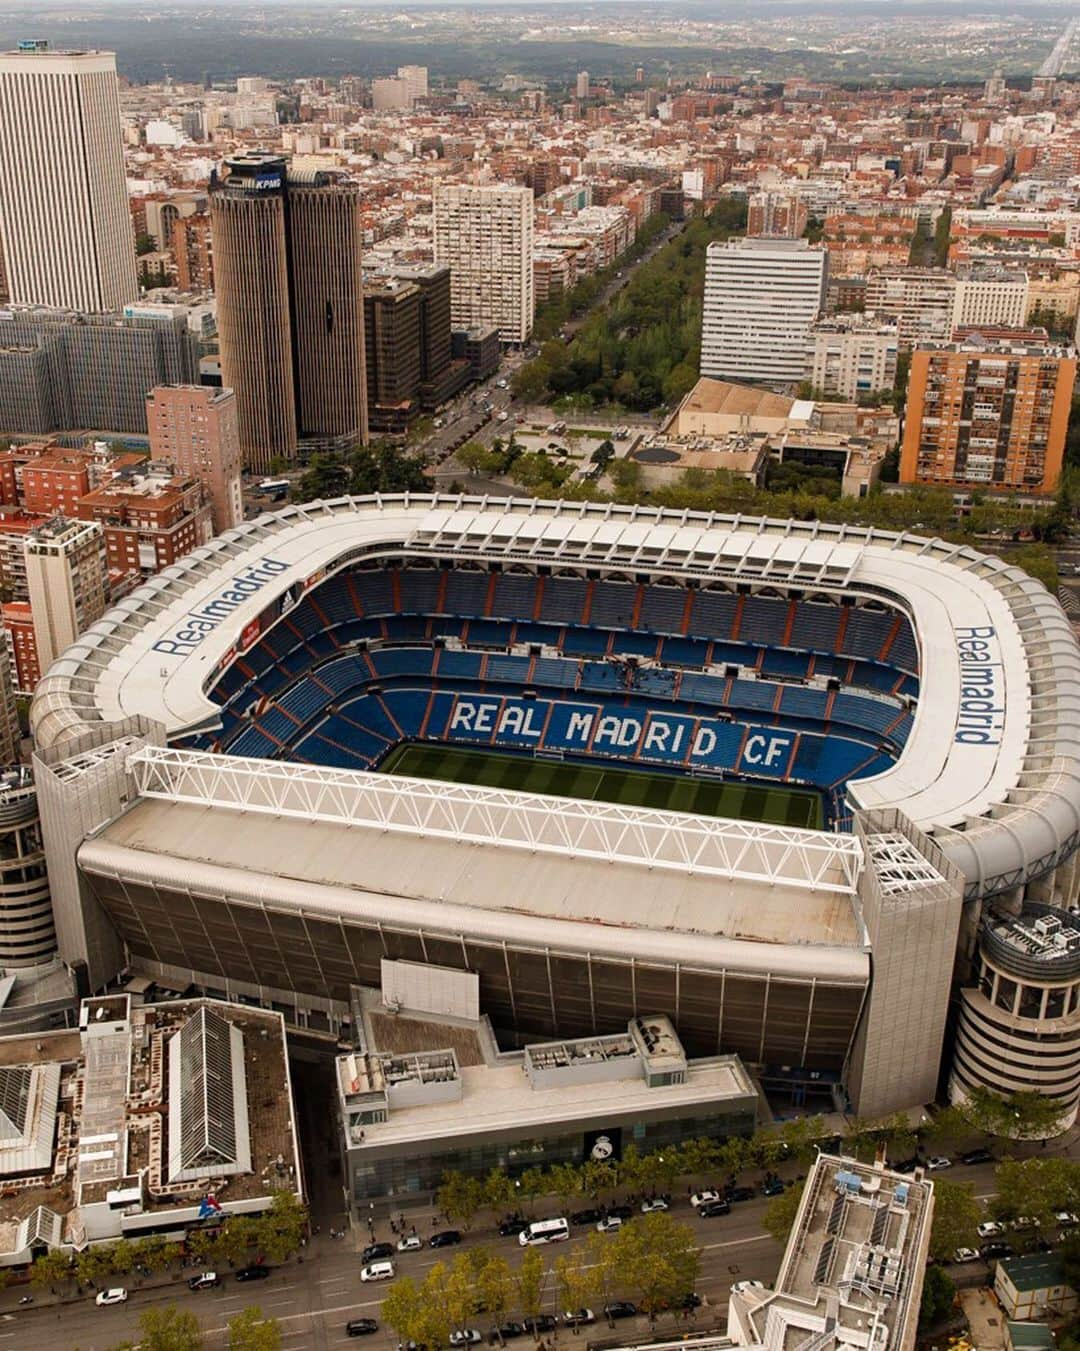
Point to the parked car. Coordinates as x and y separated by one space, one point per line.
253 1273
711 1209
117 1295
938 1162
739 1194
445 1238
1024 1222
205 1281
700 1199
378 1271
990 1229
652 1203
543 1322
360 1327
977 1156
410 1243
466 1337
620 1308
513 1225
690 1301
578 1318
966 1255
585 1216
990 1252
772 1186
906 1165
1066 1218
620 1212
374 1252
509 1330
609 1224
744 1287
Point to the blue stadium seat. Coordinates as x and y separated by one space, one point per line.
815 626
466 592
662 609
515 596
613 605
564 600
713 614
419 590
763 620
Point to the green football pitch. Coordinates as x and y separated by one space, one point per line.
666 792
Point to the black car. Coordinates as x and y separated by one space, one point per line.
990 1252
445 1238
508 1331
713 1208
586 1216
514 1225
690 1301
734 1194
620 1212
906 1165
772 1186
543 1322
977 1156
620 1308
253 1273
375 1252
360 1327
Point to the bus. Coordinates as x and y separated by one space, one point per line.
544 1231
277 488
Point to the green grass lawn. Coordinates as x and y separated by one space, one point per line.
779 806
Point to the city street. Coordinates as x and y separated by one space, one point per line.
313 1299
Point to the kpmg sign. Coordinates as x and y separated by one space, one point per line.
982 696
198 623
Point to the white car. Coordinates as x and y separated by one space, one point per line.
990 1229
377 1271
410 1243
1024 1222
465 1337
653 1203
1066 1218
965 1255
745 1287
609 1224
938 1162
118 1295
703 1198
576 1318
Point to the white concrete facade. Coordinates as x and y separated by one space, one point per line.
761 298
484 234
65 227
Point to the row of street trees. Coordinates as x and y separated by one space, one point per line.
167 1328
274 1235
651 1259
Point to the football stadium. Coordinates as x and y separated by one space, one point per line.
805 788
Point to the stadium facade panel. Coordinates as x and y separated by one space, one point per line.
926 694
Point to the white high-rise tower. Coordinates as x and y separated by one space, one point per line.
65 226
484 234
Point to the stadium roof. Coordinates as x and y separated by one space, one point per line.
992 764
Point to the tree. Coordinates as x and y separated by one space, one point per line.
250 1331
144 243
164 1327
498 1190
1024 1115
278 1232
781 1211
656 1258
458 1293
564 1181
52 1268
956 1215
1039 562
596 1177
576 1279
403 1309
459 1197
937 1297
477 459
495 1287
529 1281
531 1184
384 468
325 477
1037 1187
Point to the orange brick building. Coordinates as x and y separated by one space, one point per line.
987 417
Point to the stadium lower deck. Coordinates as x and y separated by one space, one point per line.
653 677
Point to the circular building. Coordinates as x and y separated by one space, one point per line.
27 933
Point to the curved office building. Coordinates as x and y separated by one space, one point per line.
27 933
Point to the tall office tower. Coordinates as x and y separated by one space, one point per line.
327 301
392 346
582 89
27 931
780 215
987 416
441 376
290 306
761 298
65 229
195 428
66 581
485 236
416 81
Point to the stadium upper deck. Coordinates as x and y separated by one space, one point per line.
991 765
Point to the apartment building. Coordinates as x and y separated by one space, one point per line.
852 354
778 214
150 517
66 583
195 428
986 416
484 234
921 299
762 297
998 298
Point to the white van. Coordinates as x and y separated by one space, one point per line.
544 1231
377 1271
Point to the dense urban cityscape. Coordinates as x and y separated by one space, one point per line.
540 690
